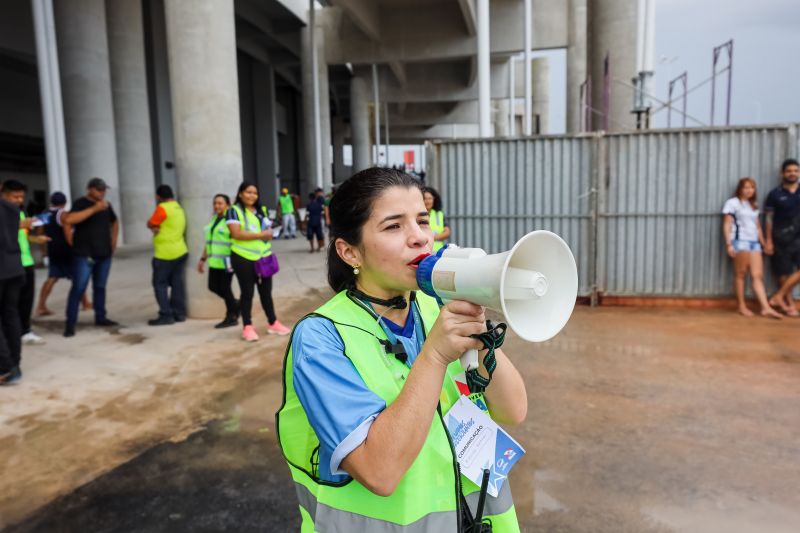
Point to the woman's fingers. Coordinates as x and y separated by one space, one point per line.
461 307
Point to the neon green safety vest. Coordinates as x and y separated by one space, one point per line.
250 250
426 499
24 245
218 243
168 242
437 225
287 204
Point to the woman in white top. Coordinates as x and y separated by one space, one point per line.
744 240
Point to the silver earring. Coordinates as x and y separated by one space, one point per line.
356 271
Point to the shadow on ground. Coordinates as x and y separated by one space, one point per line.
218 479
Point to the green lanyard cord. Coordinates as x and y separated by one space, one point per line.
492 339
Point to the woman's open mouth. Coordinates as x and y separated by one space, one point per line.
414 263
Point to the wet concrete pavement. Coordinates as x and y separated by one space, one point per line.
639 421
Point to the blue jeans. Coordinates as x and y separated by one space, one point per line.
84 268
168 274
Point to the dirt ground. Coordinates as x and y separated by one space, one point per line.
640 420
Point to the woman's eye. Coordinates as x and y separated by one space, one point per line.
423 222
393 226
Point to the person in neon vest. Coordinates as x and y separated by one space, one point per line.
168 224
362 429
251 234
287 214
439 227
217 253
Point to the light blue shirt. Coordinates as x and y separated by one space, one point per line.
339 405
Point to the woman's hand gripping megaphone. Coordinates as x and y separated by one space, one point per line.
455 331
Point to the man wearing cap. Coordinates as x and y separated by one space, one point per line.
94 241
286 211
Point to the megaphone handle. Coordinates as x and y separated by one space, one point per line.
469 361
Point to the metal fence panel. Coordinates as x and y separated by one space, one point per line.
496 191
657 197
663 197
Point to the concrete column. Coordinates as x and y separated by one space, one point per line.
338 131
541 93
86 89
201 43
50 93
324 113
376 114
527 31
576 62
612 31
501 126
512 67
359 123
484 75
266 133
131 117
316 112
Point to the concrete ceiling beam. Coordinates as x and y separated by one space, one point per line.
437 32
399 71
364 14
251 14
468 12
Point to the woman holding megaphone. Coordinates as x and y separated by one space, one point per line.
370 376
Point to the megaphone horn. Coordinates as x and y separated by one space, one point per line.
534 285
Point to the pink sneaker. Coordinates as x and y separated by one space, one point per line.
276 328
249 334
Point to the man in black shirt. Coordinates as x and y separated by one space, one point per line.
12 278
782 235
94 241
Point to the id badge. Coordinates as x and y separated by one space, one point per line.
480 444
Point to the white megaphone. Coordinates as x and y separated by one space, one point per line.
534 284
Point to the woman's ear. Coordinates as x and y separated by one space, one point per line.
347 252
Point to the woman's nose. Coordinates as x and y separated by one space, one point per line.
420 237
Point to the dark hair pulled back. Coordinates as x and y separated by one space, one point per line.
350 208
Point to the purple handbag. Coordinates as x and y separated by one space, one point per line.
267 266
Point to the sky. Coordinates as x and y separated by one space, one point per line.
766 61
766 57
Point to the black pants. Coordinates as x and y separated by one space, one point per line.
26 299
169 287
219 282
246 276
10 327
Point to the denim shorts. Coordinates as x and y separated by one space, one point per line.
746 246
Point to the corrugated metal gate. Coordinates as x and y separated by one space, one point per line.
641 211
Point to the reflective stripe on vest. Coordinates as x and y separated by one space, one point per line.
218 245
24 245
169 243
436 221
250 250
425 499
287 204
